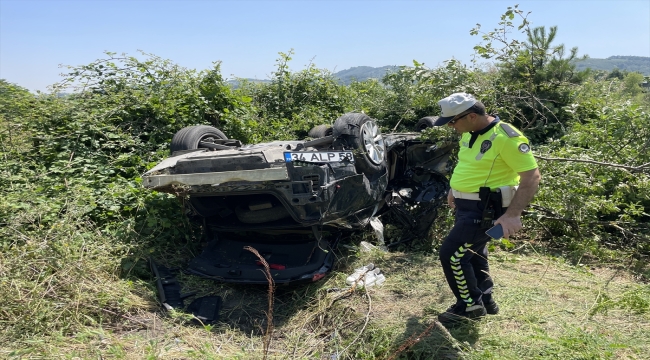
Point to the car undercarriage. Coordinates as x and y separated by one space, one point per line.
293 201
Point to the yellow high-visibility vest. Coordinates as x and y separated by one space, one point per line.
495 159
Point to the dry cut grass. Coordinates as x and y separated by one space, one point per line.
549 309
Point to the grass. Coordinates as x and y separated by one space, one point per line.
549 309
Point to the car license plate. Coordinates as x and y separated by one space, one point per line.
319 156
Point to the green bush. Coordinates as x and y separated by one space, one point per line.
294 102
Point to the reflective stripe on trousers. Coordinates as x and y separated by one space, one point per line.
463 255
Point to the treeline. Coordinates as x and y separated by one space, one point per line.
362 73
75 222
638 64
633 58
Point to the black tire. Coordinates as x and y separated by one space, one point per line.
425 123
206 206
190 138
360 133
248 216
320 131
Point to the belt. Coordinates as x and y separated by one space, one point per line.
465 195
507 193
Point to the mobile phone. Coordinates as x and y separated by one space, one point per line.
495 232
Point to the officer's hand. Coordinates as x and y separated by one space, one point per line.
510 225
450 199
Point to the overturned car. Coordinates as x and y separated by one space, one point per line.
293 200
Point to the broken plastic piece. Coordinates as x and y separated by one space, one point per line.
374 277
358 273
365 246
405 192
378 227
206 308
370 278
169 291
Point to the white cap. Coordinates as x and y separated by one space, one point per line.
453 105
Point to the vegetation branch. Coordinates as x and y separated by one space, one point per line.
269 313
611 224
365 323
559 217
416 338
639 168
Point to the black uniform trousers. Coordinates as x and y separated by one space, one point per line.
464 255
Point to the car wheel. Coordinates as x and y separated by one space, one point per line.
361 133
425 123
320 131
190 138
248 216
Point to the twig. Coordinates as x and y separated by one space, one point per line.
559 217
352 287
400 120
601 223
416 338
544 227
517 249
612 278
364 324
548 265
625 231
639 168
269 313
592 306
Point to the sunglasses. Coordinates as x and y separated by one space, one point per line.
454 120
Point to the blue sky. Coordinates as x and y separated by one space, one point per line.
246 36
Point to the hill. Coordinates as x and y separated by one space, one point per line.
626 63
345 77
236 82
361 73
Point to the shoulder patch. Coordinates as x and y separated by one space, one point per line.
509 130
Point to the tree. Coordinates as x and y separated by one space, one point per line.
413 92
616 73
293 102
535 78
632 84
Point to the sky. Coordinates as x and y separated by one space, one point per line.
36 36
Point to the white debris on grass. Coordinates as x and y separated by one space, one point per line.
378 228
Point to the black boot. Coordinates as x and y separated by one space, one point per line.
460 311
490 305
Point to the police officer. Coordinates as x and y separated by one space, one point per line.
495 179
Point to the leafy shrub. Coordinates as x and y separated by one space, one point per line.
535 79
601 190
294 102
413 93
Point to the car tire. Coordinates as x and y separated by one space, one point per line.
425 123
205 206
248 216
320 131
190 138
360 133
